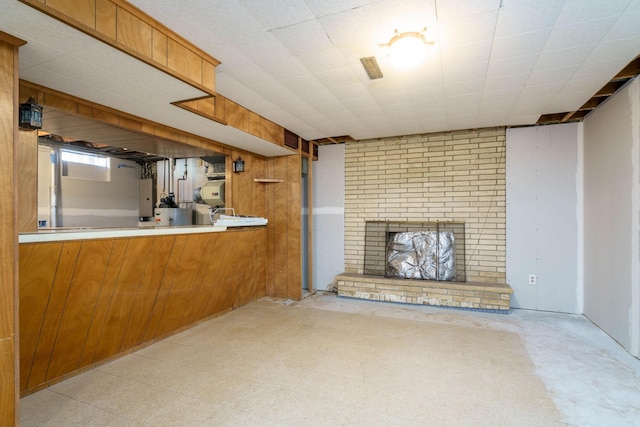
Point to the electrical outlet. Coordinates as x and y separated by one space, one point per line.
532 279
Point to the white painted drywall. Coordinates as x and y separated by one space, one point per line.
328 215
543 217
612 217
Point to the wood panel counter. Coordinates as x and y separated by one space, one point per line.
87 296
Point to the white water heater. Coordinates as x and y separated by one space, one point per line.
211 193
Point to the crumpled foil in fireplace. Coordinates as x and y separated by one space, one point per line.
428 255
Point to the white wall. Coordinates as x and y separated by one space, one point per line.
328 215
113 203
543 211
612 217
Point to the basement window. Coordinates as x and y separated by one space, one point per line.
85 166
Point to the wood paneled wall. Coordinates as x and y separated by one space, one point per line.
74 105
279 202
82 302
130 30
284 210
9 398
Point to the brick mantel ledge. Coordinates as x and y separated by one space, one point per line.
467 295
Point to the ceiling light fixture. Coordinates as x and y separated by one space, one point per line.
407 49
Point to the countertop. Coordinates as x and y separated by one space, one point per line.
83 233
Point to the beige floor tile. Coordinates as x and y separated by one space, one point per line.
326 361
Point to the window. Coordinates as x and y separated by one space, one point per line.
85 166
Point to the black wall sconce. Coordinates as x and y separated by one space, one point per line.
30 115
238 165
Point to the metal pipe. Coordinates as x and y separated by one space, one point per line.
55 191
184 178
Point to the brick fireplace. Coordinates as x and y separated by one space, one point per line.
456 177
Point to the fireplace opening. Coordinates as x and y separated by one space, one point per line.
415 250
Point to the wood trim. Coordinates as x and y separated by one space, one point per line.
205 106
74 105
128 29
11 40
310 225
9 398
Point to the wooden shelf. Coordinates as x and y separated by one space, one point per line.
267 180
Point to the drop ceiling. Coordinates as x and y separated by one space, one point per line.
297 62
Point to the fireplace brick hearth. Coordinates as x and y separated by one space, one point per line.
468 295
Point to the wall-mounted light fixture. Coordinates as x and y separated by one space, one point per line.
238 165
30 115
407 49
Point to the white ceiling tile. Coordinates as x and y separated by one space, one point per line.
323 60
467 103
567 101
455 9
356 104
563 58
580 34
466 73
525 16
615 50
390 97
471 87
337 78
466 54
509 81
354 90
304 37
330 7
528 44
575 11
469 30
605 69
555 76
627 26
274 14
517 65
535 56
499 98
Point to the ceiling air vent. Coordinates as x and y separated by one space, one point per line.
371 67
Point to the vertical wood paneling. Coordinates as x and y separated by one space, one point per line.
79 307
106 18
127 283
259 203
34 297
9 383
279 232
184 60
208 74
83 11
158 324
210 280
197 299
62 277
184 279
134 33
236 115
116 258
294 229
148 290
103 297
160 47
27 181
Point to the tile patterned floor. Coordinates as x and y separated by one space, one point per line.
327 361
